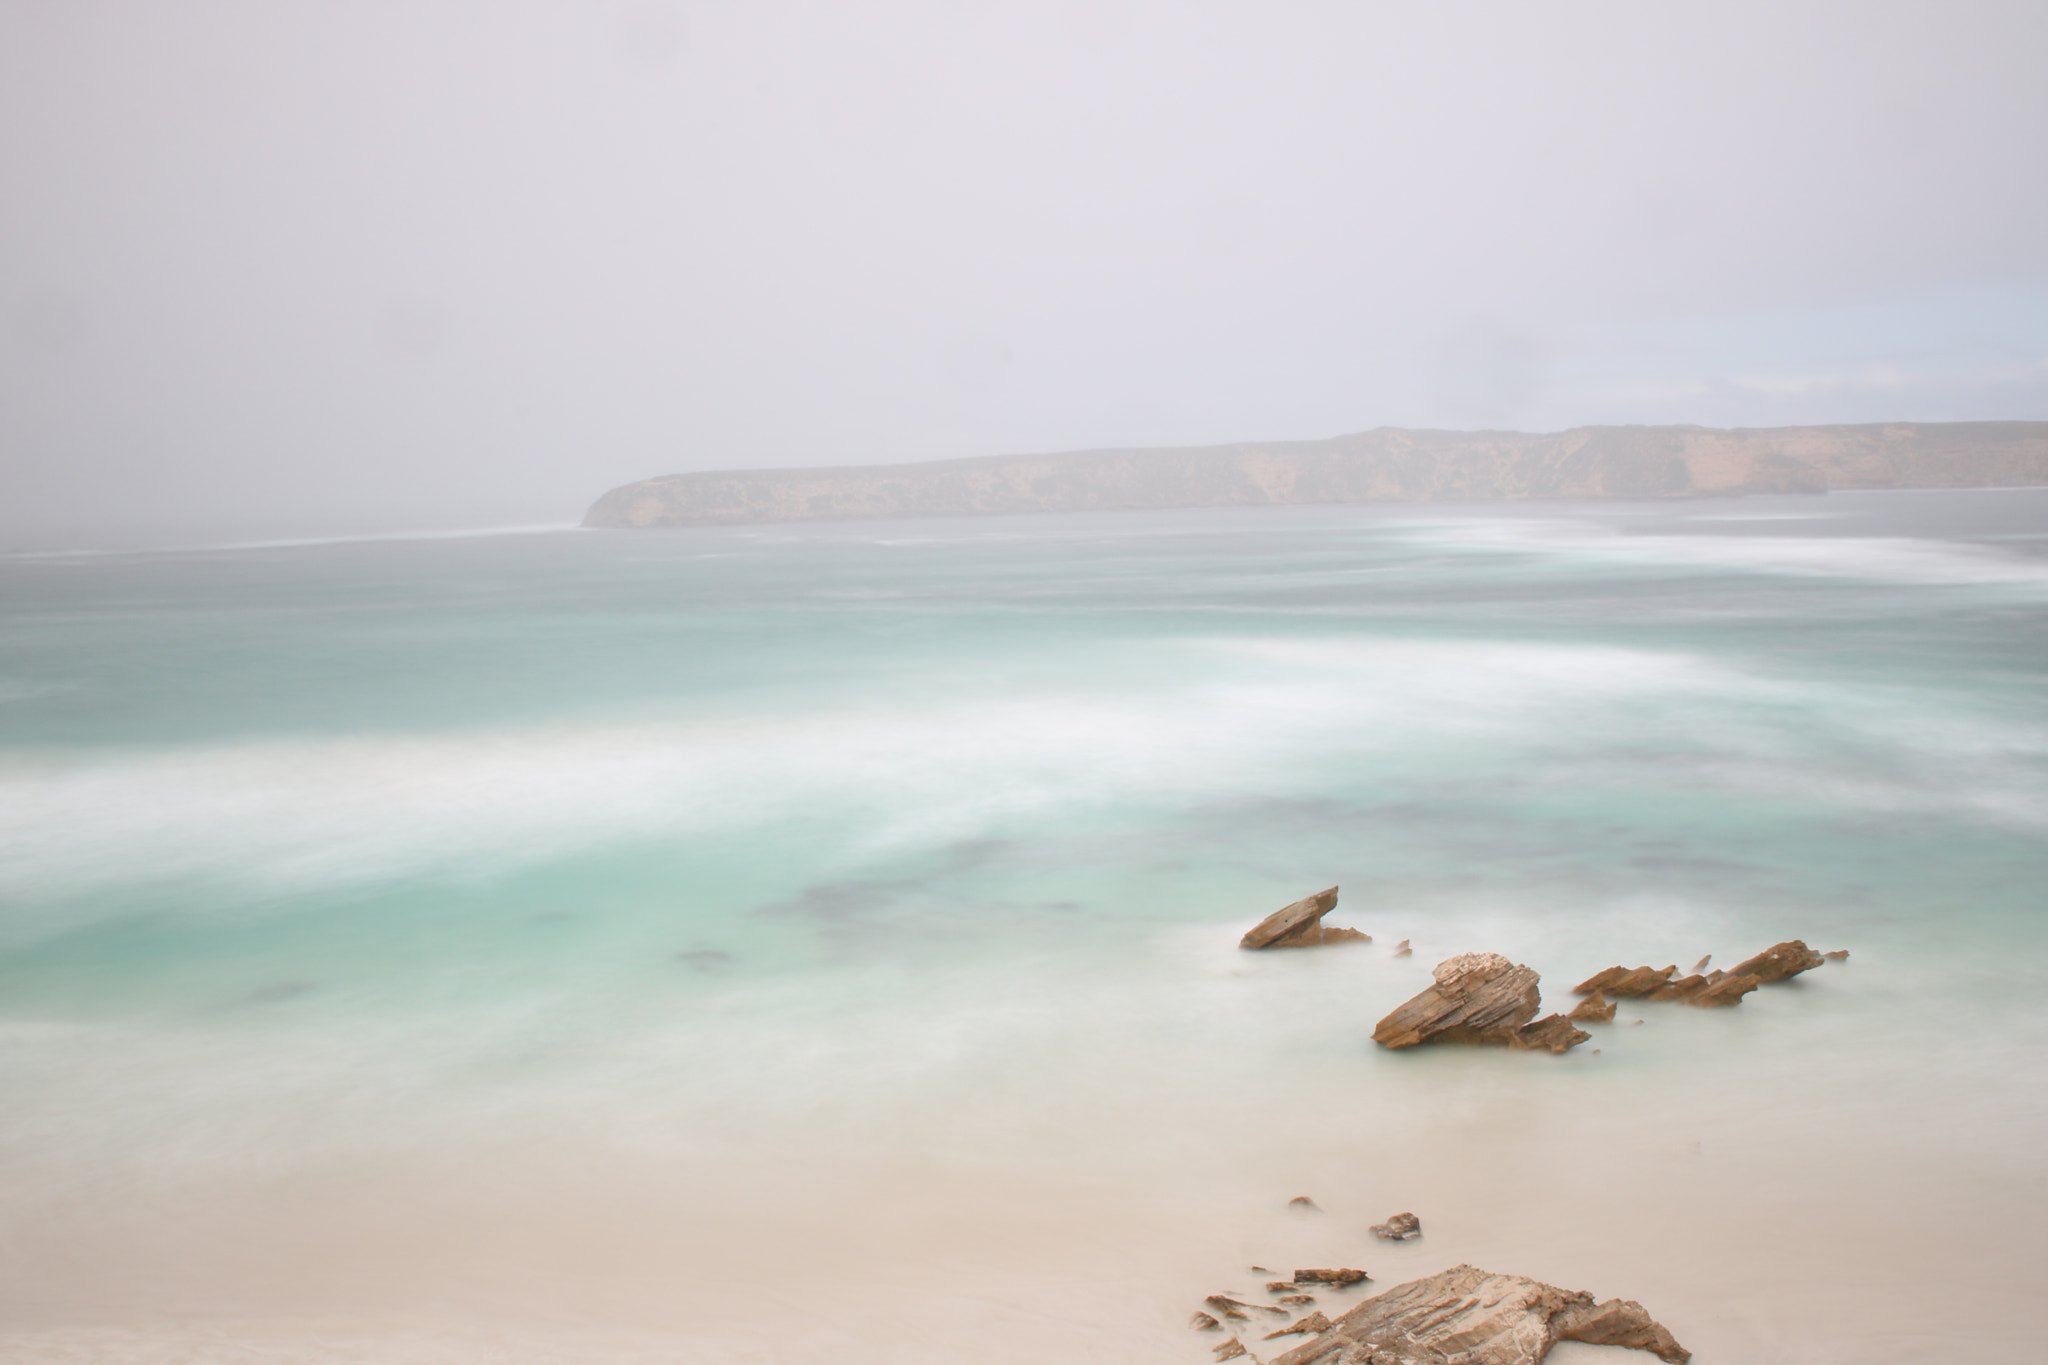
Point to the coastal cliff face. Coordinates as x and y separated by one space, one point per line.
1387 465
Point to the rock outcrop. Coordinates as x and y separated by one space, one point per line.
1779 963
1314 1322
1626 983
1594 1009
1344 1276
1477 998
1553 1033
1468 1316
1300 925
1388 464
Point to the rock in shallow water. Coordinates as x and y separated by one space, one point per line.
1468 1316
1300 925
1778 963
1729 990
1626 983
1477 998
1553 1033
1399 1228
1594 1009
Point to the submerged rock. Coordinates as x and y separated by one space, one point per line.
1230 1349
1297 1300
1301 1203
1329 1276
1203 1322
1626 983
1779 963
1838 955
1477 998
1552 1033
1729 990
1398 1228
1594 1009
1300 925
1228 1307
1468 1316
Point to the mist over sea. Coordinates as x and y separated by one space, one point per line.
818 942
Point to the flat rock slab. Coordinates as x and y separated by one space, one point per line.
1468 1316
1477 998
1300 925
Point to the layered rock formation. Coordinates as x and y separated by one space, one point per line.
1477 998
1468 1316
1386 465
1300 925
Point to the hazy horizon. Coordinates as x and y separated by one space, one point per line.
276 272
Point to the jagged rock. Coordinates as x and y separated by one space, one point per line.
1552 1033
1685 988
1594 1009
1716 976
1297 1300
1477 998
1838 955
1729 990
1625 983
1202 1322
1228 1307
1701 965
1260 1270
1300 925
1303 1204
1230 1349
1314 1322
1329 1276
1779 962
1280 1287
1468 1316
1399 1228
1402 949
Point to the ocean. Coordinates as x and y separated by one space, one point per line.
789 943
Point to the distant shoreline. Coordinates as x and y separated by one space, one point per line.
1385 465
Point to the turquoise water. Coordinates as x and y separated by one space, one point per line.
558 906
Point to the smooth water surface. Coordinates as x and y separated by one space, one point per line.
746 944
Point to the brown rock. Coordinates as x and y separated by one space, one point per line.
1477 998
1838 955
1778 963
1594 1009
1468 1316
1230 1349
1314 1322
1300 925
1729 990
1625 983
1202 1322
1280 1287
1398 1228
1303 1204
1227 1306
1402 949
1552 1033
1701 965
1329 1276
1685 988
1297 1300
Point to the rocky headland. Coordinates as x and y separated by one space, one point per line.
1385 465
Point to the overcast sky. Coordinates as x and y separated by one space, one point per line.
302 266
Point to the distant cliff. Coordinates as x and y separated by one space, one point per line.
1387 465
